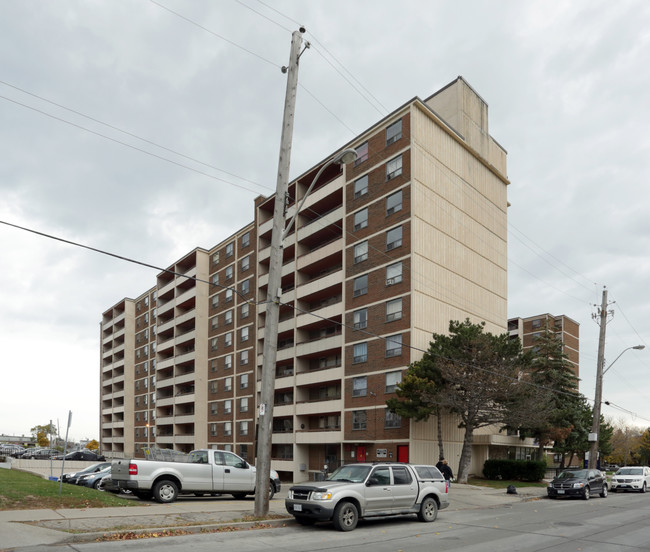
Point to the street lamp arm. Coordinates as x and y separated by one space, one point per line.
637 347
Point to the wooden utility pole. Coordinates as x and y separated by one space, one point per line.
595 425
274 290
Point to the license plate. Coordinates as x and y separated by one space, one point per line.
297 507
560 491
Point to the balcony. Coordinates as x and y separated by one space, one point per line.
319 436
314 347
318 407
314 286
317 225
324 251
328 312
316 376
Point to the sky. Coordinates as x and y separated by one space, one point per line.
147 128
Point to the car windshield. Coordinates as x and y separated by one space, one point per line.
630 471
355 474
576 474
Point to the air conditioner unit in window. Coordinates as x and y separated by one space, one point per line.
390 281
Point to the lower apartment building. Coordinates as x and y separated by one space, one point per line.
385 251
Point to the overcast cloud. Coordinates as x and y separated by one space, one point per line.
567 88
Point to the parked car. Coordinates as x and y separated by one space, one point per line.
40 454
94 468
10 450
93 480
580 483
364 490
81 455
631 478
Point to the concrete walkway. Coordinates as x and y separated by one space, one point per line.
23 528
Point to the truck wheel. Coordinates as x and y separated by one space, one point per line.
346 516
98 485
428 510
165 491
271 490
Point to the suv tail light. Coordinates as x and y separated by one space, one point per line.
133 469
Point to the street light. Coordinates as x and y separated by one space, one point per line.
269 351
595 425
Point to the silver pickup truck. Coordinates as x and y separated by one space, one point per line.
205 471
363 490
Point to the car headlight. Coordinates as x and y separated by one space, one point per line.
550 484
578 485
321 495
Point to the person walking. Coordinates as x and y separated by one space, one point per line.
445 470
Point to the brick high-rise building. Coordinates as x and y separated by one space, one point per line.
384 252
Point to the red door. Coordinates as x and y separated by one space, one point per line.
361 454
402 453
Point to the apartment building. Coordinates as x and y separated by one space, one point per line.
384 252
566 329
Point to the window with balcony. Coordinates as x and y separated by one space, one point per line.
360 353
394 132
360 285
392 379
394 345
359 386
361 219
394 168
394 203
230 249
359 420
360 319
393 310
394 238
362 154
360 252
361 186
394 274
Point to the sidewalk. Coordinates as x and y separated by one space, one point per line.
21 528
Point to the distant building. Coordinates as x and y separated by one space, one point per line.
386 251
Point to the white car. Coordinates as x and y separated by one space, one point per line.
631 478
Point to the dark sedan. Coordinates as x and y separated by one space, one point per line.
580 483
94 480
40 454
87 455
72 477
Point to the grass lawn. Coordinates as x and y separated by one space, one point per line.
502 484
21 490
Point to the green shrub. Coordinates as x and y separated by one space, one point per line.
514 470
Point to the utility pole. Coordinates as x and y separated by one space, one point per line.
595 426
274 291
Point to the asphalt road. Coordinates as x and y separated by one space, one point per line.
619 522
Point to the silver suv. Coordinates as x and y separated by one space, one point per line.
356 491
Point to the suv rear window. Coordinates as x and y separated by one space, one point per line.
428 472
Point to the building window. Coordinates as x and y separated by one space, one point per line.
227 429
243 381
394 274
537 323
243 428
362 154
360 252
360 285
243 359
394 132
246 263
215 301
227 406
229 293
394 345
394 310
229 272
227 384
213 387
215 258
361 219
213 365
227 317
243 404
360 352
230 249
244 310
213 408
394 168
246 239
214 343
392 420
228 362
392 379
213 430
394 203
359 386
394 238
360 319
245 287
214 322
244 333
215 279
361 186
359 419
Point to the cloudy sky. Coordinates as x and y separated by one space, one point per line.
147 128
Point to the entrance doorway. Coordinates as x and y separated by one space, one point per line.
361 454
402 453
